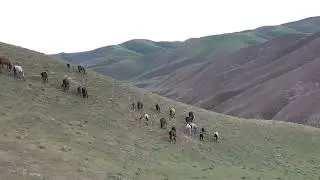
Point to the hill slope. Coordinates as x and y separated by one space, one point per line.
50 134
119 61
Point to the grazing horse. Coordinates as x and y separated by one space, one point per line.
4 61
65 84
146 117
191 116
84 92
202 134
133 106
158 108
68 65
191 126
163 123
17 70
44 76
172 112
216 136
139 105
172 135
81 69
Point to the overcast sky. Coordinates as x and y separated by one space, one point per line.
52 26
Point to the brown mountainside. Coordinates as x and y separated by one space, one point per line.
273 80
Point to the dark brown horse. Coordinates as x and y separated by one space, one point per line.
158 108
191 116
202 134
139 105
84 92
163 123
68 65
44 76
65 84
4 61
172 135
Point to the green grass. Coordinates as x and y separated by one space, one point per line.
59 135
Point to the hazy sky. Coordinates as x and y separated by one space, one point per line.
52 26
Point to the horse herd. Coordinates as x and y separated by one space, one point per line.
190 125
18 72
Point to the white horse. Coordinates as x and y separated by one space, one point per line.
17 70
145 116
191 126
216 136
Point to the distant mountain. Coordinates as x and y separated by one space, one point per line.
249 74
119 61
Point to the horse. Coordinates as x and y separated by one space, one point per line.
146 116
133 106
84 92
172 112
191 116
191 126
163 123
4 61
202 134
17 70
216 136
81 69
158 108
65 83
68 65
139 105
44 76
172 135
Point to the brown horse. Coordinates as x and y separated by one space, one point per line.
191 116
172 135
84 92
68 65
65 84
163 123
4 61
44 76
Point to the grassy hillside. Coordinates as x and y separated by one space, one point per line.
50 134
